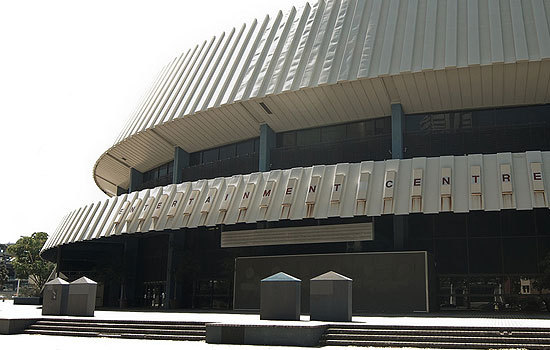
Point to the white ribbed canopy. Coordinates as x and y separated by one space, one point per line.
489 182
333 62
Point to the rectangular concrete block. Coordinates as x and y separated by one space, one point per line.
82 293
330 297
280 297
55 297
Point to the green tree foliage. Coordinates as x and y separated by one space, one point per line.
28 263
3 274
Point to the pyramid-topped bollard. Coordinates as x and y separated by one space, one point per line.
82 294
55 297
330 297
280 297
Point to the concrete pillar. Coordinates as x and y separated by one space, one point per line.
397 131
181 161
397 128
58 261
129 273
136 180
267 142
176 242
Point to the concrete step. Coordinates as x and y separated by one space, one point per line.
443 332
190 331
121 325
428 338
428 344
122 322
122 335
107 329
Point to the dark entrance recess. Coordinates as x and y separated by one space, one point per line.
382 282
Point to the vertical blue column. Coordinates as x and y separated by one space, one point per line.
397 122
397 129
267 142
136 180
181 161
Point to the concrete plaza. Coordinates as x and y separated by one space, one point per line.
8 310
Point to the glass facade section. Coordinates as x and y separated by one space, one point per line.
236 158
517 129
351 142
159 176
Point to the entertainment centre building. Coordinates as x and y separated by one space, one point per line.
404 143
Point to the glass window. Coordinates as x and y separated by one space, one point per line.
382 126
228 151
195 158
520 255
483 224
308 137
163 170
333 133
210 155
517 222
245 147
450 225
286 139
421 226
485 255
451 256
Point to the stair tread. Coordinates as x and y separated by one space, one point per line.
119 324
118 329
425 337
432 344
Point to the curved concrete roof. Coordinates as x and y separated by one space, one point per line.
333 62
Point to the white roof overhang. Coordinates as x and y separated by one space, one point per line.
334 62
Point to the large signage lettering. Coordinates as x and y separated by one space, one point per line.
121 212
174 204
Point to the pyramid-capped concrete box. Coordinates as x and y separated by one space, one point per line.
280 297
82 293
330 297
55 297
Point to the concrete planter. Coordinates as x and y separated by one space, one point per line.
27 300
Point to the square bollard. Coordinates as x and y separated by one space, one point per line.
330 297
280 297
82 294
55 297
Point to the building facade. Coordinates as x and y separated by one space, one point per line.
343 127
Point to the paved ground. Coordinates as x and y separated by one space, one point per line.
8 310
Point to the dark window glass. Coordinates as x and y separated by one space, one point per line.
485 255
195 158
517 222
333 133
483 223
451 256
308 137
543 221
163 170
543 247
245 147
256 145
228 151
450 225
421 226
286 139
210 155
382 126
520 255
